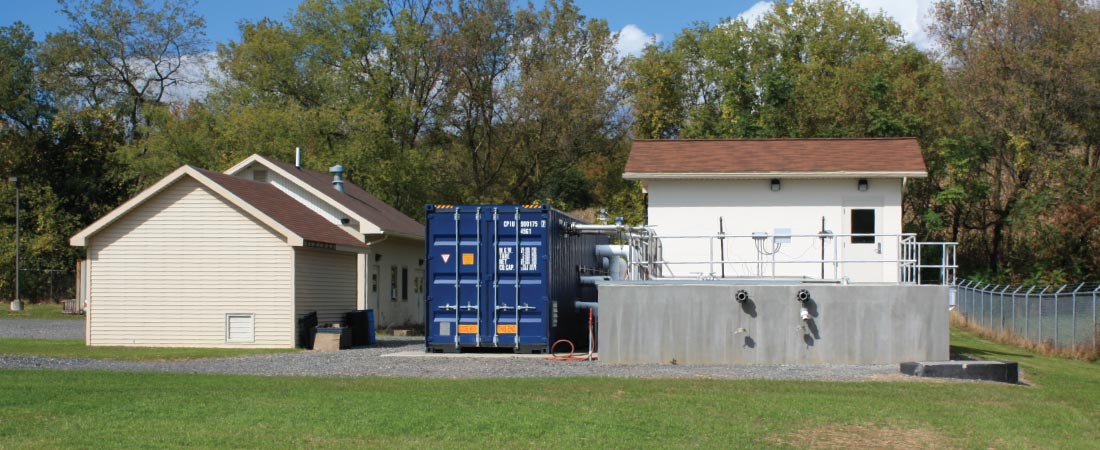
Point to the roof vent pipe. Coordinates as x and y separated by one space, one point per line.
337 172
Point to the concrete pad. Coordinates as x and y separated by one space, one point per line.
1003 371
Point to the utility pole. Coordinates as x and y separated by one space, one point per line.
17 304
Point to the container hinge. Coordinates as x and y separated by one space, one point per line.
525 307
449 307
469 306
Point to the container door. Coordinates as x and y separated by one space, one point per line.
454 295
520 306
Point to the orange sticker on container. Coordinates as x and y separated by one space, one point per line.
467 259
467 329
507 329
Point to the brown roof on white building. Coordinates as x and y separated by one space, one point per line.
378 212
753 158
298 224
285 210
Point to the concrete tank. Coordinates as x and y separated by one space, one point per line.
702 322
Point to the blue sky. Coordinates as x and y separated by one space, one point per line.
637 21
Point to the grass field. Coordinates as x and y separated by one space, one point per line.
36 311
45 409
70 348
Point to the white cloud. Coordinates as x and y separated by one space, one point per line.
632 40
755 11
913 16
196 74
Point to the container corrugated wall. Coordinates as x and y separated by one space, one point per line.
504 276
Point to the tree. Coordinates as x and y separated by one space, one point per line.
1025 73
123 54
805 69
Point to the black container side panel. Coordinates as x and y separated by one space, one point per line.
569 254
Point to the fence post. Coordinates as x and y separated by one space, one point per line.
1027 317
1073 319
1039 314
992 323
1094 330
1056 318
1003 306
1014 308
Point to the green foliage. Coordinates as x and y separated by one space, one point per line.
494 101
805 69
1025 76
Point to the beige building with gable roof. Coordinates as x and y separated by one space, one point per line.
206 259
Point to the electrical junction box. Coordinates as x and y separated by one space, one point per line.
782 236
759 235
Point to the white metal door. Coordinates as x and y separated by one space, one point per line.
862 256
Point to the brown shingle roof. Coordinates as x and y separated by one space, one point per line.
285 210
711 158
378 212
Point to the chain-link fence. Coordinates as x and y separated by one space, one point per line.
38 285
1063 317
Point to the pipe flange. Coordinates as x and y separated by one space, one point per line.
741 296
802 296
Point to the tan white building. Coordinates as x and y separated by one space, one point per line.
390 273
206 259
771 198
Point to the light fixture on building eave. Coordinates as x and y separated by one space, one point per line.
775 184
862 185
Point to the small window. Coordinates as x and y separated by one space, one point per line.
259 176
393 283
863 222
240 328
404 284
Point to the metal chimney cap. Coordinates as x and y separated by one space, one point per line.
337 169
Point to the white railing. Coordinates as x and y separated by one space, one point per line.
896 258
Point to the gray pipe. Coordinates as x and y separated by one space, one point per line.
592 280
594 306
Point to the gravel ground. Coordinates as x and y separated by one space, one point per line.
41 329
368 362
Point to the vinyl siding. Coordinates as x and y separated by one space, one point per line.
167 273
324 282
401 254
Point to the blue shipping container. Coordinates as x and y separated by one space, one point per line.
505 276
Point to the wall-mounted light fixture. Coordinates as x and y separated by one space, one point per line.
862 185
775 184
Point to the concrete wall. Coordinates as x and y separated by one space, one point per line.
692 207
702 323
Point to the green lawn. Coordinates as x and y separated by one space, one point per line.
48 409
36 311
75 348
